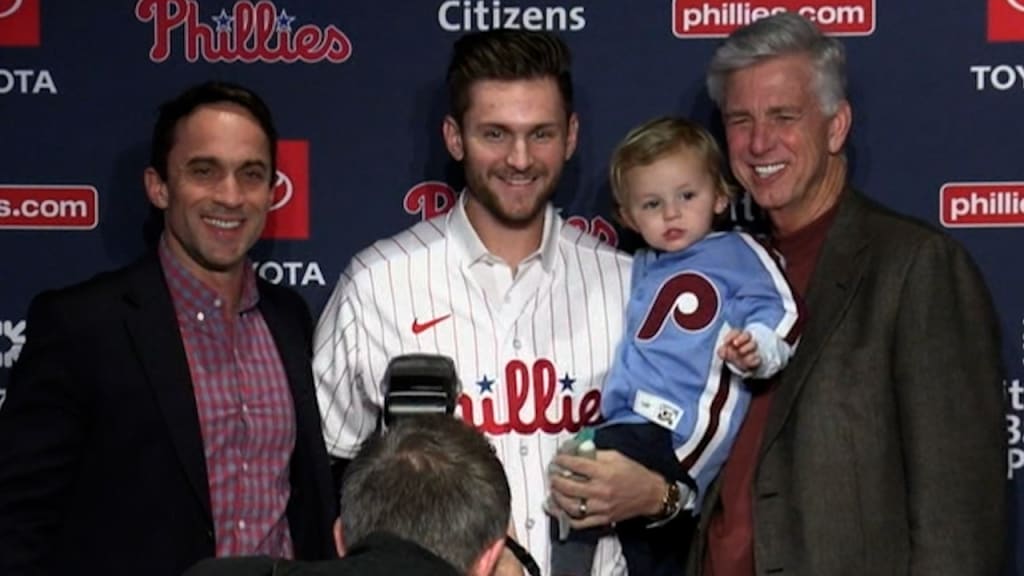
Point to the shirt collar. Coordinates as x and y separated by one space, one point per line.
191 296
473 247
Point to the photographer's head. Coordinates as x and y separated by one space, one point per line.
435 481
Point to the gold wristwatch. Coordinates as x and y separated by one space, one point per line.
672 502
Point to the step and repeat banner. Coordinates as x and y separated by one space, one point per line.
356 86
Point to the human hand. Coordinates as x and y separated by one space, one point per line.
740 350
616 489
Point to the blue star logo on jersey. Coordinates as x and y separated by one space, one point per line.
223 21
567 383
485 384
284 21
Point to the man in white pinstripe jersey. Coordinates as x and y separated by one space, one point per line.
530 309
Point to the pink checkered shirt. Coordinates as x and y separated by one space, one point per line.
246 413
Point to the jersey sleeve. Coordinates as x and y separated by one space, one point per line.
767 307
350 400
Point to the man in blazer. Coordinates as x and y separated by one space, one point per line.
880 449
164 412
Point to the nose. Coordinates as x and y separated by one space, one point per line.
519 156
673 210
229 192
762 138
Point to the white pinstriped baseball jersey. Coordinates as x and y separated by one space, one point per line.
531 363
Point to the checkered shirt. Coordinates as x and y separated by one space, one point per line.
246 413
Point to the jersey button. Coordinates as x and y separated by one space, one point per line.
529 523
517 344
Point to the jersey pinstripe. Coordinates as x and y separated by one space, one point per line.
531 364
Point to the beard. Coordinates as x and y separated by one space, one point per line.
519 212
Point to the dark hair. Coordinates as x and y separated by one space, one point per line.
432 480
173 111
507 55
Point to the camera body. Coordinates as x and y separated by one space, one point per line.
419 384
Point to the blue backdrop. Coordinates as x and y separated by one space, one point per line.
357 90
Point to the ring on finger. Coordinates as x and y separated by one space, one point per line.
582 508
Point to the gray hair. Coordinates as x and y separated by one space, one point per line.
432 480
782 34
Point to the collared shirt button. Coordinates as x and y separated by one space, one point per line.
200 316
218 303
245 466
241 524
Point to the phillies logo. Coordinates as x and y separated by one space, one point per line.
289 208
19 22
981 204
252 32
429 199
1006 20
596 226
538 383
718 18
688 298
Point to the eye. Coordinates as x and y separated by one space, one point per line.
254 174
201 171
651 204
543 134
787 117
737 120
688 195
493 134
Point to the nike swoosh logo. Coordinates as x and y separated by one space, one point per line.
418 328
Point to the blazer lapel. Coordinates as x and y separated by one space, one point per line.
835 281
153 327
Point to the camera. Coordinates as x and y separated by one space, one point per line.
419 384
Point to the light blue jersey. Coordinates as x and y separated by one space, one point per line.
667 369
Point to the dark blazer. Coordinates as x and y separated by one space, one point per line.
101 459
884 451
378 555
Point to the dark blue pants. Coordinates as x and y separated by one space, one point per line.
648 551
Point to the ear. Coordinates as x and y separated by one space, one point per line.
156 188
453 138
488 560
721 202
570 140
339 538
839 127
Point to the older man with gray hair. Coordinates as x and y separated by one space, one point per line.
881 448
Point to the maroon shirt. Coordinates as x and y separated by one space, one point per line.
730 547
246 413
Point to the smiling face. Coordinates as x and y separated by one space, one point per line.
218 190
672 202
513 141
783 148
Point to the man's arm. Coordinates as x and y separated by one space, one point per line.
948 384
42 427
349 400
